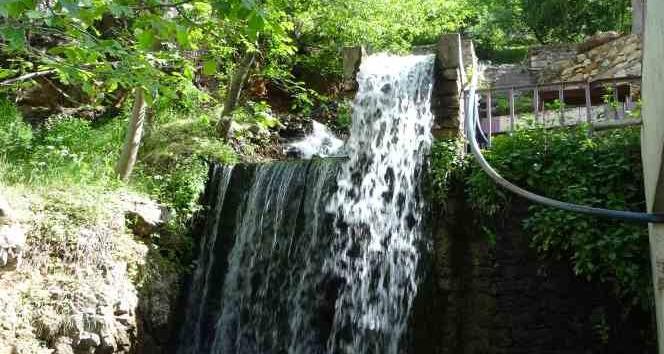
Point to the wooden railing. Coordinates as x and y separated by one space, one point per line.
614 96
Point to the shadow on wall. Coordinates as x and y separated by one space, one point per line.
501 298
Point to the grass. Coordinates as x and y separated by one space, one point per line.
66 168
69 152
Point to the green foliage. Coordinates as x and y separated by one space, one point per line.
64 150
105 45
603 171
560 20
324 27
447 164
502 27
15 135
172 164
344 118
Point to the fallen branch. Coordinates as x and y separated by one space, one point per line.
26 77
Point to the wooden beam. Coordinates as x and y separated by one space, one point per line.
606 125
536 103
595 83
561 98
512 110
616 100
589 104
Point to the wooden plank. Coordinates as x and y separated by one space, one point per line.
605 125
593 84
561 98
512 111
489 114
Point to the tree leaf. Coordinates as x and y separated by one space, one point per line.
210 67
15 38
182 35
70 6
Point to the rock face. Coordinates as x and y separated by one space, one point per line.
12 236
603 56
144 216
79 283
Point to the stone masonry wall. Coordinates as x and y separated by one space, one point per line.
450 78
480 297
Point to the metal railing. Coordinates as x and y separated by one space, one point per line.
563 98
471 121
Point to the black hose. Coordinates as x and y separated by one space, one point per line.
471 120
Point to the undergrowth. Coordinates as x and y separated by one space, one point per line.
566 164
75 158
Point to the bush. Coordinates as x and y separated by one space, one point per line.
602 171
15 135
173 158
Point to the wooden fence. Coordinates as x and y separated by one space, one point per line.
601 103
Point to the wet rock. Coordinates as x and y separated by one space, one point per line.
12 236
63 345
88 340
295 127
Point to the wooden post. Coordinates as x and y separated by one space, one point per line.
589 104
536 104
589 108
512 110
652 145
616 100
561 98
489 114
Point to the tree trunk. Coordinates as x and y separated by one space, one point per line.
234 91
133 138
638 16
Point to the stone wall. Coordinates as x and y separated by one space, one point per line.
600 57
450 79
480 297
542 57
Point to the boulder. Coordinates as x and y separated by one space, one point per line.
145 216
5 211
87 340
597 40
12 236
63 346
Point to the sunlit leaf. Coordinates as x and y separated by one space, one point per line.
210 67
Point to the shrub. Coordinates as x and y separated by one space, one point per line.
566 164
15 135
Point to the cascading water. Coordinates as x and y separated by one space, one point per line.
378 205
320 256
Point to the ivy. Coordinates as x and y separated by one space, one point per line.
446 164
603 171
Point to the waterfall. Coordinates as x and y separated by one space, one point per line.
378 206
196 303
320 256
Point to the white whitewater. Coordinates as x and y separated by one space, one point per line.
378 205
320 256
321 143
